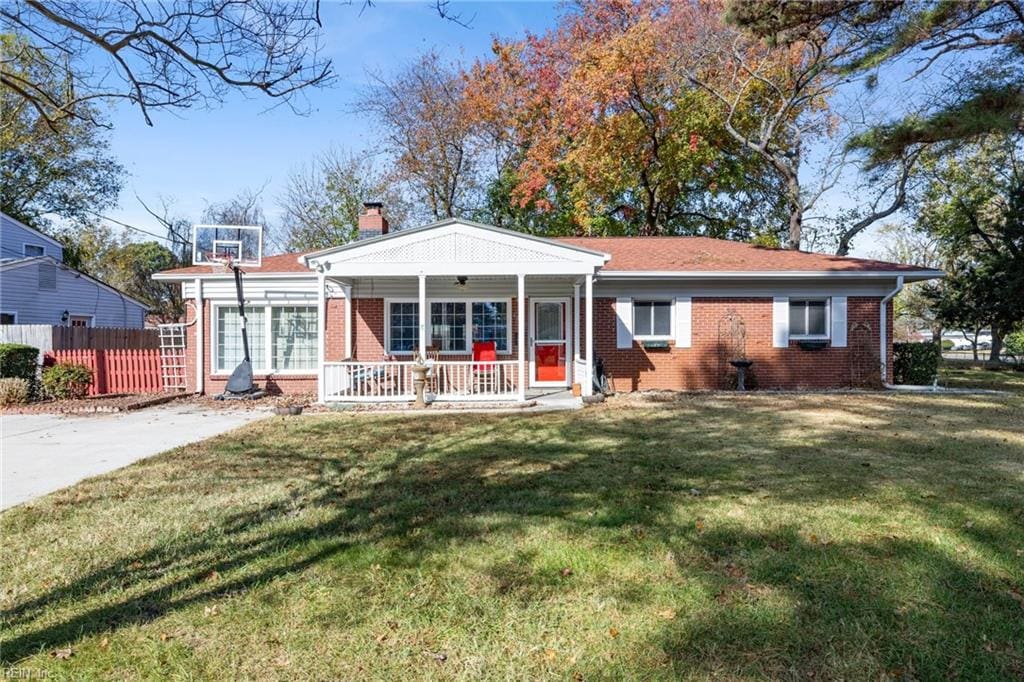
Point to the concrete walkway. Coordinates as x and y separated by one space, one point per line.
43 452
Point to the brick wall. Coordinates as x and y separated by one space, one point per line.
705 364
702 366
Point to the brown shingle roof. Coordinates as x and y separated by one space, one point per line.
658 254
283 263
704 254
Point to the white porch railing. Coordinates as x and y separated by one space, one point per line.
391 381
579 374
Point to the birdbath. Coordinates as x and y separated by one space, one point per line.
741 372
419 382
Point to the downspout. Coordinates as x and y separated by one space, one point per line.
200 340
883 326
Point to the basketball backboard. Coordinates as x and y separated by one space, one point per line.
240 244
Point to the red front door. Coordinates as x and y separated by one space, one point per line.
550 342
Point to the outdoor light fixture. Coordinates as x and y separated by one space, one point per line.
64 317
461 280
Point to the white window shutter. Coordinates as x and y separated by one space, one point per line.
839 321
684 325
780 322
624 323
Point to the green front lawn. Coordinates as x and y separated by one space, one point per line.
852 537
961 374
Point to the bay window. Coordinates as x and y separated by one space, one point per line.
808 318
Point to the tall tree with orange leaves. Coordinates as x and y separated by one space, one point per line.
597 124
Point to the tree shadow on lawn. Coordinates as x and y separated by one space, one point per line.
421 488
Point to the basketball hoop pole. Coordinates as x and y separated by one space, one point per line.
241 309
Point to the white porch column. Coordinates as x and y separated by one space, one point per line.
588 386
349 320
575 326
521 294
423 316
200 327
321 335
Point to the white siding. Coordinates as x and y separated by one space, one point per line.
79 295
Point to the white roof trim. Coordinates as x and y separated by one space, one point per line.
304 259
767 274
32 229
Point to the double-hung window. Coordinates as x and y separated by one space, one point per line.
808 318
404 327
490 323
281 338
448 326
652 319
454 326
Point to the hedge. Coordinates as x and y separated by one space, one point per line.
18 361
916 364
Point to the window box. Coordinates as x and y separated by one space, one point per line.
654 344
811 344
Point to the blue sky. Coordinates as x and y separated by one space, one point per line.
196 156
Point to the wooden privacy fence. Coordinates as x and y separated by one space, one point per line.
66 338
117 370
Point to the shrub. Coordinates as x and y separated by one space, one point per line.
18 361
67 380
915 363
1014 343
14 391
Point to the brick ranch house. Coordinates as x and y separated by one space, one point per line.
348 323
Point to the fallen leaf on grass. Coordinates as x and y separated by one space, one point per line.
210 610
211 576
667 614
104 644
438 656
613 632
550 654
62 654
1016 595
577 676
566 572
699 525
164 636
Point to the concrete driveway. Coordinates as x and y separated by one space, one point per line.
43 452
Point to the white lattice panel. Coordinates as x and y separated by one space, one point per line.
456 248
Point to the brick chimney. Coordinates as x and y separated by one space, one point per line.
372 222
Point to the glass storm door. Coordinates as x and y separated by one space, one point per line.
550 343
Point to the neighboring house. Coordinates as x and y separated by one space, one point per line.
36 287
659 313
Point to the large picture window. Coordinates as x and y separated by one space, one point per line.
448 326
454 325
808 319
281 338
294 333
652 319
229 338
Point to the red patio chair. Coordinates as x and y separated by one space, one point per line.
485 354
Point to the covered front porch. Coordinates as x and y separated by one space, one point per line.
494 315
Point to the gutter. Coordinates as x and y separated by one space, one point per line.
882 327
